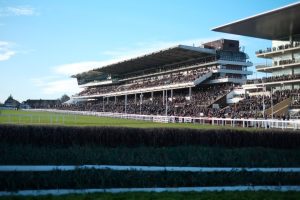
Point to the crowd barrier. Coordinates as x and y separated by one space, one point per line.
246 123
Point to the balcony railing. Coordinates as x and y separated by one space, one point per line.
279 48
274 79
279 63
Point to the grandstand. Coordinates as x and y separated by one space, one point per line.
205 81
279 92
181 81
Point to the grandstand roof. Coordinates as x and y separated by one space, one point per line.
276 24
160 58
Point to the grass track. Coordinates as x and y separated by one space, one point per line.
47 118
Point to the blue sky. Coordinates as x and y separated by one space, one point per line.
42 43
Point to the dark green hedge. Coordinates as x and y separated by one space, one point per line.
157 137
19 154
247 195
124 179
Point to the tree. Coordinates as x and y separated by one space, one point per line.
64 98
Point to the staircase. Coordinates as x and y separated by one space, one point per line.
202 78
222 101
280 108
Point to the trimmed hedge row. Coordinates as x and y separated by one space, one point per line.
247 195
11 181
19 154
157 137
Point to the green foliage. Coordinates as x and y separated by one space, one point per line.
266 195
130 179
14 154
64 98
134 137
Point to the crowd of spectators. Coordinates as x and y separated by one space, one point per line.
285 62
197 105
180 104
296 99
154 81
253 106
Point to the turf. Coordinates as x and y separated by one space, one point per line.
48 118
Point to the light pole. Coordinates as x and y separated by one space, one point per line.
103 103
125 103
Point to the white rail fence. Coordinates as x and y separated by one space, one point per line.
44 168
56 192
251 123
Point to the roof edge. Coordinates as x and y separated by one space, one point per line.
255 16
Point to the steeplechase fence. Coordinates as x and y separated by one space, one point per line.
59 117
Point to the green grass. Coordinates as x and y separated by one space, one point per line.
47 118
265 195
182 155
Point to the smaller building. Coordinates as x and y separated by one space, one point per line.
11 103
41 103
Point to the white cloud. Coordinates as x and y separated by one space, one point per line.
56 85
143 48
42 81
18 11
62 86
5 51
75 68
121 54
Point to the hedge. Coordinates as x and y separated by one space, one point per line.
156 137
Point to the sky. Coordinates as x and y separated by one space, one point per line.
43 43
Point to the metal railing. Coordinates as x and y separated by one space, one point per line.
279 48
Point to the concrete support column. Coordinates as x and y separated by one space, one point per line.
163 97
141 102
190 93
141 98
135 98
172 94
125 103
103 104
166 102
291 39
107 99
115 99
152 96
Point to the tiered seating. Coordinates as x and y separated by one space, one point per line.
154 81
180 105
253 106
